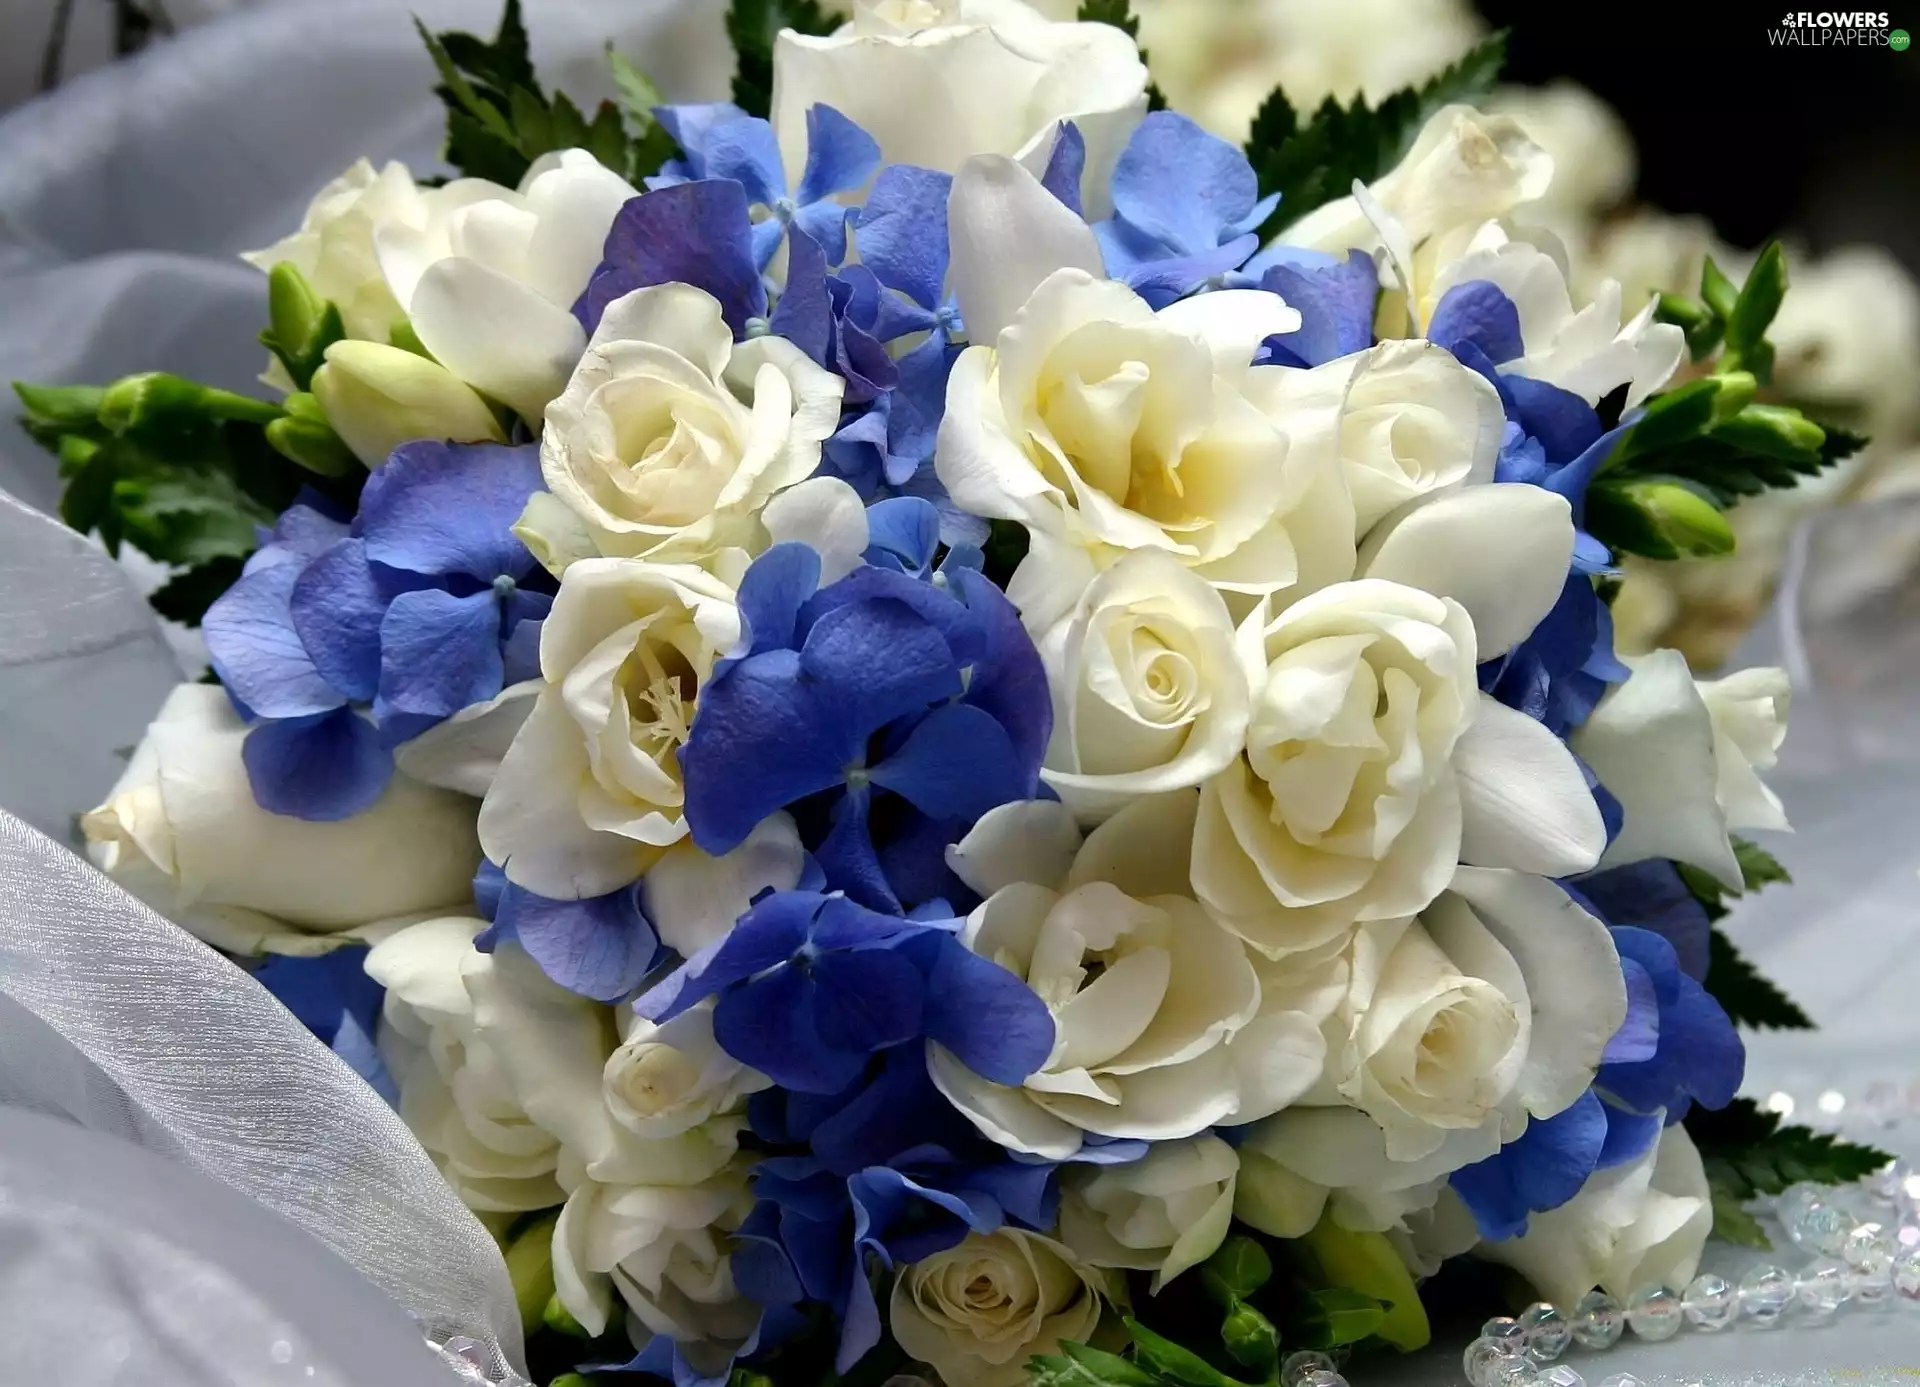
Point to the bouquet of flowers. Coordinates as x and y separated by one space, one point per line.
928 717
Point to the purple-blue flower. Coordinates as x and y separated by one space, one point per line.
1549 1163
332 996
1335 300
427 603
1678 1046
889 712
601 947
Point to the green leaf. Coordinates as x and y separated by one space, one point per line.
1238 1267
651 145
753 25
63 406
1840 443
1731 1221
1747 1152
1173 1362
1006 546
1759 300
186 596
1717 291
1758 867
1077 1365
1118 13
1749 997
1367 1263
1313 163
1348 1315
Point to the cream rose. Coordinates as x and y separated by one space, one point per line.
1642 1224
939 81
1160 1027
979 1311
1749 712
666 1080
1149 691
669 439
181 830
589 794
1106 428
1163 1213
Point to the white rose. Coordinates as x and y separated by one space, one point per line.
182 831
1105 427
666 1080
1149 691
1160 1028
589 795
1680 757
936 82
1849 335
456 1094
1165 1212
334 246
1374 764
1494 1007
1636 1225
1749 712
670 439
1592 151
1648 250
977 1312
664 1249
486 275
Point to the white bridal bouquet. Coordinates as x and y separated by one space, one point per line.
929 722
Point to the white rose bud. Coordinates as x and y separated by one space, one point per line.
979 1311
1749 712
377 397
666 1080
1164 1213
183 832
334 246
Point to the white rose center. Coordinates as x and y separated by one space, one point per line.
651 1078
669 452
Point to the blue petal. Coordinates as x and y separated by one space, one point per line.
826 223
1009 681
848 858
601 947
747 151
337 607
694 233
322 991
902 231
1067 167
445 508
772 592
1629 1135
438 654
769 1025
804 315
692 125
354 1043
253 647
765 937
841 157
1336 304
957 763
994 1023
1652 896
1478 312
1161 282
1182 185
321 768
903 532
1565 424
1639 1035
1571 481
1542 1169
489 884
1298 257
305 529
874 661
865 999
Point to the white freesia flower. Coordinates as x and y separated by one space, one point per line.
936 82
1494 1007
1636 1225
456 1093
1163 1213
589 795
1680 758
1592 151
670 438
977 1312
1160 1026
486 275
1105 427
182 831
664 1250
1150 693
377 397
665 1080
1374 764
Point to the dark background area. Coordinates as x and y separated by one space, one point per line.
1824 141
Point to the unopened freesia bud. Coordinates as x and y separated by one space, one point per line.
377 397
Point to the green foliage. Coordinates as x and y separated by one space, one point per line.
1731 1221
1749 997
1314 161
498 119
1748 1153
1250 1338
300 324
753 25
1238 1267
652 145
1006 546
1077 1365
1173 1363
1758 868
1657 517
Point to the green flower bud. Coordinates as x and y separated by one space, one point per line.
1251 1338
66 406
1774 431
1659 518
156 406
308 440
571 1380
1701 324
1367 1263
377 397
304 325
530 1268
556 1318
1238 1268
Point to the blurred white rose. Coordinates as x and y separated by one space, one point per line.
456 1094
377 397
1749 712
1149 692
1642 1224
1648 250
487 276
977 1312
182 831
670 438
1161 1031
1163 1213
1848 336
936 82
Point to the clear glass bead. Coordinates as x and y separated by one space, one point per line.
1517 1371
1622 1380
1322 1377
1864 1240
1710 1302
1814 1222
1653 1312
1824 1286
1598 1321
1294 1370
1906 1273
1765 1294
1480 1358
1561 1375
1544 1331
1885 1183
1873 1278
1503 1327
